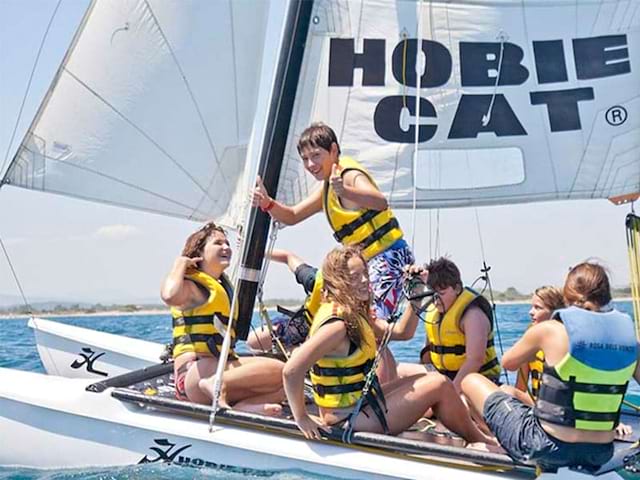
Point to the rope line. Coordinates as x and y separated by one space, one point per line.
486 118
26 93
632 223
110 178
187 85
416 138
15 277
144 134
264 314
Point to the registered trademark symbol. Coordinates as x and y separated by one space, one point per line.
616 115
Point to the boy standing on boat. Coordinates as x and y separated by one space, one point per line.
590 354
357 212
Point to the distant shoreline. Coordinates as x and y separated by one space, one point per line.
105 313
165 311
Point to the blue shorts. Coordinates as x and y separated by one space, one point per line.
519 432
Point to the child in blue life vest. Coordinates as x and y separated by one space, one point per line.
590 354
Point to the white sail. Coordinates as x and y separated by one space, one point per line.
563 123
152 108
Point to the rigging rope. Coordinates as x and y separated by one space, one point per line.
371 375
26 93
205 129
264 314
416 138
226 344
632 223
486 118
15 277
487 279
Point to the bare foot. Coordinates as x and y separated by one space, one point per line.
270 409
485 447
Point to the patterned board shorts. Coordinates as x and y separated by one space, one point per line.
385 274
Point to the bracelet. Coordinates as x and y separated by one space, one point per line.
269 206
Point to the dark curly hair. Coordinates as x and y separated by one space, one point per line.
443 273
194 246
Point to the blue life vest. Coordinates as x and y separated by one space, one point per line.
586 388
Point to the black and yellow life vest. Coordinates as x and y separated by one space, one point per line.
202 329
375 231
535 373
586 388
446 342
314 299
338 381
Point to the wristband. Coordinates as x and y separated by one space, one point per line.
269 206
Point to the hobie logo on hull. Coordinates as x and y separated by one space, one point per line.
166 451
487 66
88 357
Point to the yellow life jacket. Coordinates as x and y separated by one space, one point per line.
446 342
535 373
202 329
338 381
314 299
375 231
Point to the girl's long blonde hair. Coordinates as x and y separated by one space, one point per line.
551 297
336 288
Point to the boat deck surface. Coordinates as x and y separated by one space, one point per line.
154 388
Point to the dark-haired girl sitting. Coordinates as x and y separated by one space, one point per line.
200 296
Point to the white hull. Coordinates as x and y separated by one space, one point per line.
53 422
77 352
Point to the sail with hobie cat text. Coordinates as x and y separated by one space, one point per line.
512 101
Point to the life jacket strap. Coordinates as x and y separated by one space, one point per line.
194 337
197 320
340 371
483 369
451 349
489 365
349 228
562 414
375 399
323 390
379 233
591 388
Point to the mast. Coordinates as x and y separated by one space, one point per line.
283 96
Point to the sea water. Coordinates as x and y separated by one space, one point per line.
19 351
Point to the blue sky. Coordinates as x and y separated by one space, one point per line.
69 249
